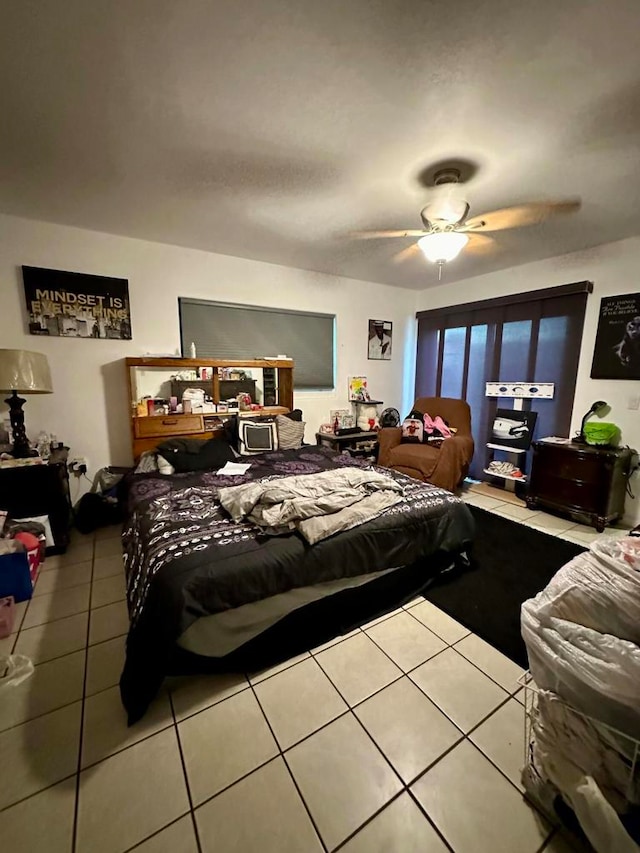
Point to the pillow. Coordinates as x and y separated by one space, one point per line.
231 427
290 432
412 430
164 467
256 436
196 455
147 463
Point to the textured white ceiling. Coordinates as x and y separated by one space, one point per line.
270 129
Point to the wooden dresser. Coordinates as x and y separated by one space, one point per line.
147 432
585 482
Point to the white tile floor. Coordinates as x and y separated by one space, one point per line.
402 736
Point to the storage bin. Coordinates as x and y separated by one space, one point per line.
15 577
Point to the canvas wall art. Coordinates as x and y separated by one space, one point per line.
617 350
512 429
76 305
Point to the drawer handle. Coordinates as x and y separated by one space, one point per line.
170 422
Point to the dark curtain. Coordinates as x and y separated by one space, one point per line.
529 337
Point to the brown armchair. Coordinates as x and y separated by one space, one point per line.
445 466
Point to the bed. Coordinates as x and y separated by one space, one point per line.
207 593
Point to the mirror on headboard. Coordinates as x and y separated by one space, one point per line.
160 408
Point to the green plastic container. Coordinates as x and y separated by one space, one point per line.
596 432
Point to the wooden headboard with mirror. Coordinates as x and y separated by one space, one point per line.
268 380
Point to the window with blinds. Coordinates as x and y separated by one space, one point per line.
531 337
222 330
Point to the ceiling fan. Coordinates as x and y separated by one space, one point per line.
447 230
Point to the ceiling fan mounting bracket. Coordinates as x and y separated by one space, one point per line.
446 176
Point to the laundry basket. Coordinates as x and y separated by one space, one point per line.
559 770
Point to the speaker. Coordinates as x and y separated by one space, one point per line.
269 386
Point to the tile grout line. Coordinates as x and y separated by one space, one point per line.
558 534
369 820
138 844
315 731
463 735
289 771
69 615
351 710
249 684
186 775
422 809
74 836
39 791
125 748
72 652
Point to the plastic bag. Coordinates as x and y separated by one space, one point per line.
597 674
14 669
599 589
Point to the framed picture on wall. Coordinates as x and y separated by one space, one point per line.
617 351
380 339
76 305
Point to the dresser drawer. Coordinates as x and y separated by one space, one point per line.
167 425
587 468
572 493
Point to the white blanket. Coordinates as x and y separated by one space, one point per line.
317 505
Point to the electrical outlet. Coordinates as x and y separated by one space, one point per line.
633 402
78 465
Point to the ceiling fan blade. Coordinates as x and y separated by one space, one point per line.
480 244
520 215
404 255
374 235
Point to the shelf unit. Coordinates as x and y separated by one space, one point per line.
149 431
522 479
518 391
357 403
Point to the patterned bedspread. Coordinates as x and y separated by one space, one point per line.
186 558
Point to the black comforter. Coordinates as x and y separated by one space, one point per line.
186 558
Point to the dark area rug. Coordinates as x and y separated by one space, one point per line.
510 563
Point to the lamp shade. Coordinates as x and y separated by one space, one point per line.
24 371
442 246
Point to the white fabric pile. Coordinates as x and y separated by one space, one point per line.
317 505
583 639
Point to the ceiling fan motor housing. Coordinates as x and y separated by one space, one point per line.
448 209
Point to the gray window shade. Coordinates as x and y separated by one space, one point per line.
245 332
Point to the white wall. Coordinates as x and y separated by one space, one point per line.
89 409
613 269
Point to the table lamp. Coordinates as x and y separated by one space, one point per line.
596 407
28 373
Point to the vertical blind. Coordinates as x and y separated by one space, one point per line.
220 330
532 337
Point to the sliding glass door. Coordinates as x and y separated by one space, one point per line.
531 337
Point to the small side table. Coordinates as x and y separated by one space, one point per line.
357 443
35 490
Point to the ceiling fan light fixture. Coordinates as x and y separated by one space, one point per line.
442 246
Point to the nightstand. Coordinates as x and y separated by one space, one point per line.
585 482
36 490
